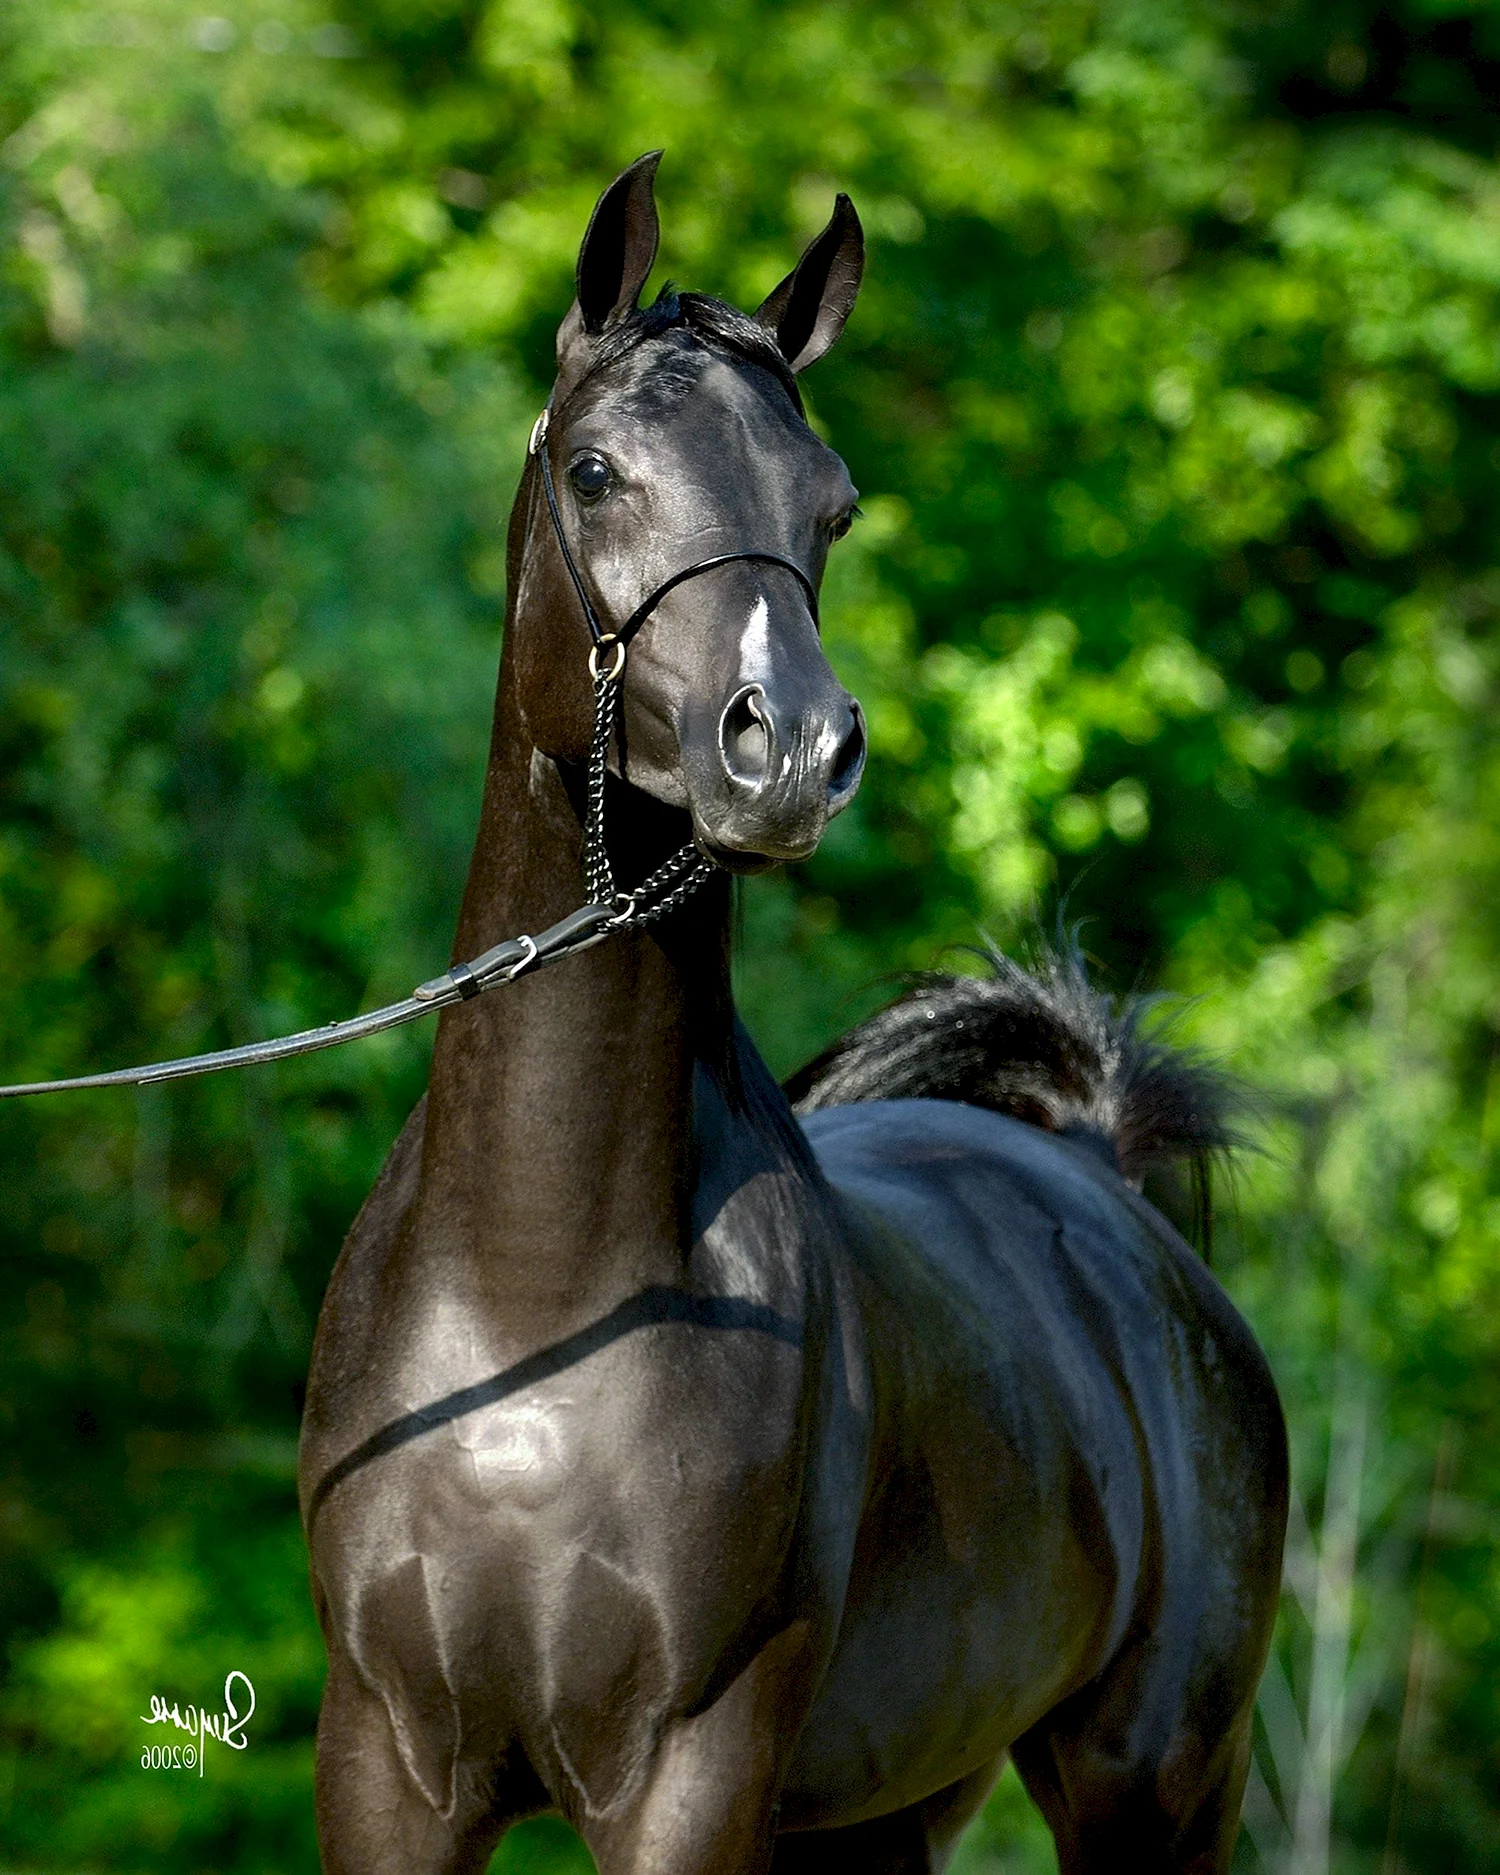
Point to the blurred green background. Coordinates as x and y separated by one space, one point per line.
1174 397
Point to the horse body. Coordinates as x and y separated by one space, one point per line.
1080 1420
742 1488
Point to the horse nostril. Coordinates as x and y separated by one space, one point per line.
745 736
850 759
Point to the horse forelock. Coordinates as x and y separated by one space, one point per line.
710 323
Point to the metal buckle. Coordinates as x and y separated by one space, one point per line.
522 963
609 642
538 432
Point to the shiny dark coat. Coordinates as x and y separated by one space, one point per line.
742 1488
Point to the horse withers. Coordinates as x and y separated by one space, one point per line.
745 1488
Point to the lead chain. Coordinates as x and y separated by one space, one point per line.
598 876
700 874
677 878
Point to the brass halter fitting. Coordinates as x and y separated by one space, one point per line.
614 646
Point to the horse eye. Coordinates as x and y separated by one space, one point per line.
837 529
590 476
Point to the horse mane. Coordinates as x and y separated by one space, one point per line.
1044 1046
721 327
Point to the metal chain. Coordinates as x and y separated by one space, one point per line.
598 876
676 879
702 871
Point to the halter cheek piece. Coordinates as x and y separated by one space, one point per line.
608 910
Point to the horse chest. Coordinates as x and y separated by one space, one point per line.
588 1540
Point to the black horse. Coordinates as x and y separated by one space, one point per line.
745 1489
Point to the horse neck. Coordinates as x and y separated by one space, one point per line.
557 1163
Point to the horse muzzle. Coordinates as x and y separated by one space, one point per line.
776 777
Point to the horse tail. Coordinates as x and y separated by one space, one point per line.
1044 1046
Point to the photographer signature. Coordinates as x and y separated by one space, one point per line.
226 1727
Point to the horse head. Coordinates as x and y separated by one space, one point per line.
676 436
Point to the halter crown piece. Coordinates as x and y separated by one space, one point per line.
608 909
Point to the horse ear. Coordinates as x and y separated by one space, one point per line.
806 313
620 246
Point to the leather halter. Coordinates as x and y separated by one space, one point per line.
608 911
687 869
622 635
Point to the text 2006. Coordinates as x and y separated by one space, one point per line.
169 1758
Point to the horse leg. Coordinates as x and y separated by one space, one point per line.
1117 1804
948 1813
886 1845
706 1804
915 1841
373 1818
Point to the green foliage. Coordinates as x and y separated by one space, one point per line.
1173 397
164 1623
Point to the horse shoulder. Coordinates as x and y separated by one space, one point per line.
347 1344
